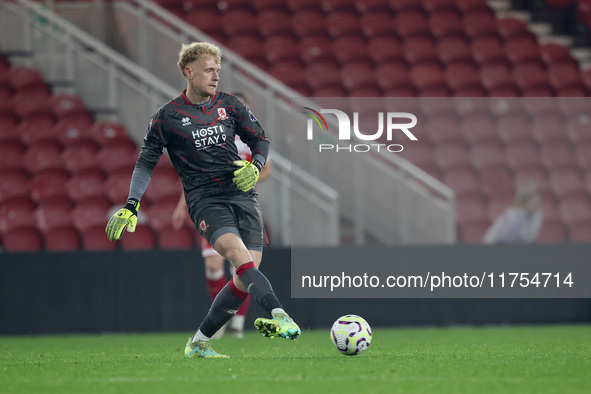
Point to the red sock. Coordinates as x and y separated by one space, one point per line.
244 308
215 285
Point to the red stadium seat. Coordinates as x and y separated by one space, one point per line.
580 231
273 23
420 49
513 27
575 208
86 184
392 75
322 75
91 212
53 212
522 49
552 231
470 208
579 128
350 49
308 23
533 174
406 5
453 50
77 158
479 128
68 106
564 75
330 92
378 25
473 232
555 54
70 131
472 5
25 79
384 50
522 154
110 133
444 128
13 184
549 206
117 185
420 154
439 5
142 239
115 157
95 238
343 23
37 129
206 20
548 128
252 49
496 181
528 76
412 24
169 238
160 214
496 75
480 24
567 181
446 23
41 157
557 154
463 180
279 49
298 5
27 104
63 238
487 154
165 182
315 49
461 76
290 74
583 155
48 184
16 212
238 22
427 75
23 239
450 155
231 5
338 5
488 50
11 154
498 204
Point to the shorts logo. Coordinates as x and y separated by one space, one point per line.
251 116
203 226
222 115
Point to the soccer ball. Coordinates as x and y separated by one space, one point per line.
351 334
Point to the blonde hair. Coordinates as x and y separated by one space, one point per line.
195 51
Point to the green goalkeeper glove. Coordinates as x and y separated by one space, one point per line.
124 218
247 175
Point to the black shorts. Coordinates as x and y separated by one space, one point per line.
242 216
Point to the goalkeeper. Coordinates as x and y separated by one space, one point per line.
198 128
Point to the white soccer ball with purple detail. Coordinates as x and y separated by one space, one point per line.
351 334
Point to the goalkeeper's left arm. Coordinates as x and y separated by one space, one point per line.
126 217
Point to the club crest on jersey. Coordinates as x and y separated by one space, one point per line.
222 115
186 121
203 226
251 116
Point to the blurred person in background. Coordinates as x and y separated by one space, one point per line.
520 223
198 128
215 276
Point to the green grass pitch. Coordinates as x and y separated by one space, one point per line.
524 359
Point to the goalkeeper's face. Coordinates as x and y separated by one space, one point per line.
203 76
